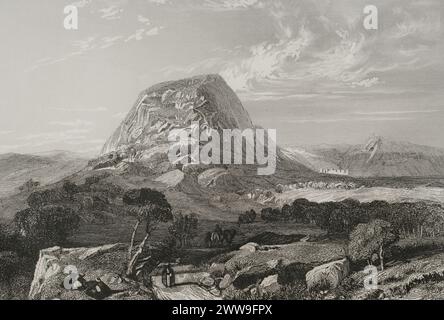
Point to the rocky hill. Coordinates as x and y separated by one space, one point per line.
141 143
176 104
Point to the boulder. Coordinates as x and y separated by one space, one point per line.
270 284
273 264
249 247
217 269
251 276
225 282
207 282
327 276
56 265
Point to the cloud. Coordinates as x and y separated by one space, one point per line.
334 120
94 109
143 28
231 4
111 13
141 33
159 2
120 115
366 83
371 113
266 61
143 20
81 3
5 132
84 44
324 46
110 41
74 124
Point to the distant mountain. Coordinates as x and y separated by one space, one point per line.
44 168
378 157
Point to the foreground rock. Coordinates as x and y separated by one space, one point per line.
253 255
105 263
270 284
328 276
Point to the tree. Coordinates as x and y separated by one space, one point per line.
70 189
184 228
247 217
271 215
149 207
40 199
299 209
46 226
371 238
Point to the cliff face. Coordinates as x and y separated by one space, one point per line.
175 105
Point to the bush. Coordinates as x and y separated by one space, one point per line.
411 219
183 229
271 215
46 226
247 217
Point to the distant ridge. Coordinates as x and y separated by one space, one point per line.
377 157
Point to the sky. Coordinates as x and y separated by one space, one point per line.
307 68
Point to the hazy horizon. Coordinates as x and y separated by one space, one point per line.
306 68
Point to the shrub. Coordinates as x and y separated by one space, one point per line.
247 217
371 238
46 226
271 215
183 229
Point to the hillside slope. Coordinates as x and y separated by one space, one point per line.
47 168
378 157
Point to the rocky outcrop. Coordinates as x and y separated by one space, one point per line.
55 265
174 105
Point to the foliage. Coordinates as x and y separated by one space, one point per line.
371 238
46 197
247 217
271 214
46 226
150 207
411 219
70 188
183 229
